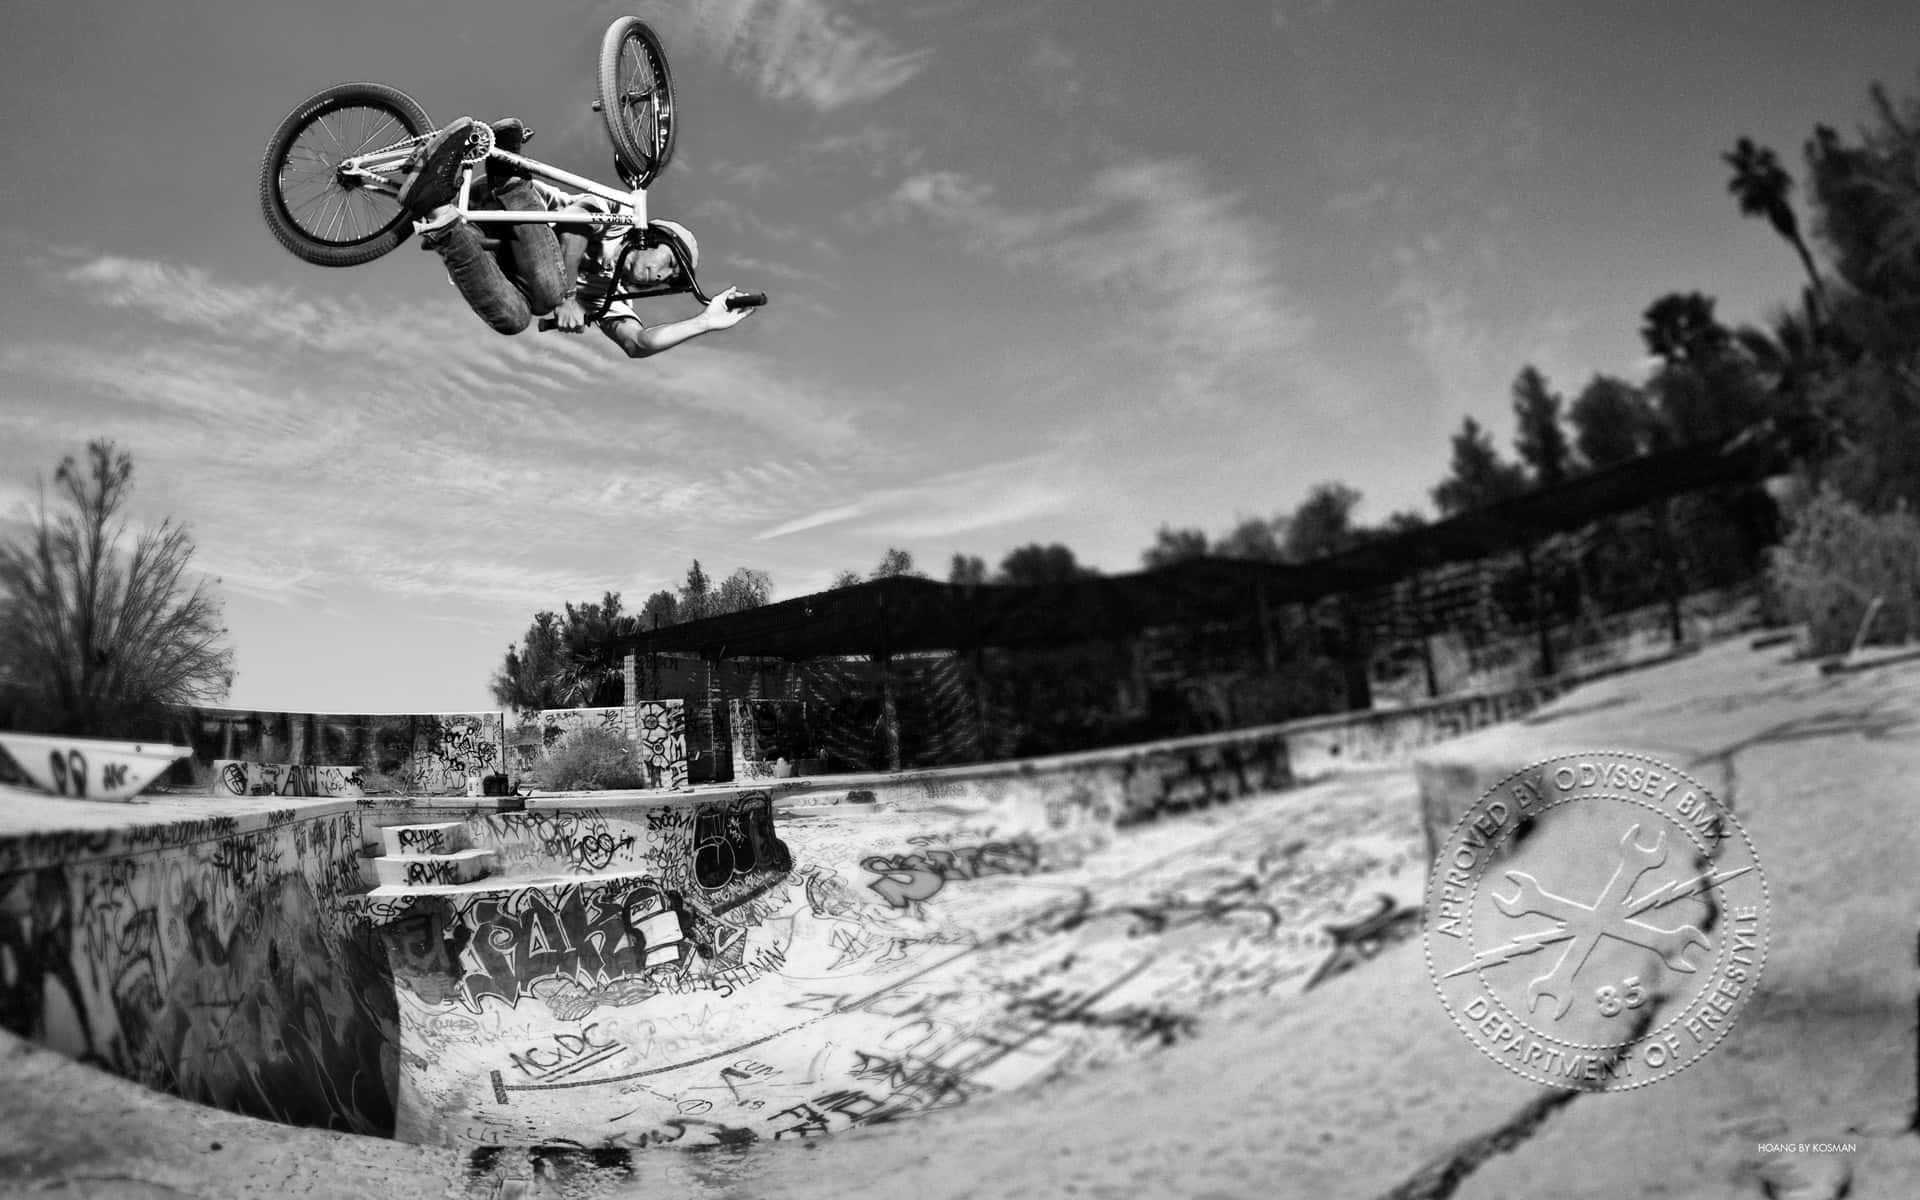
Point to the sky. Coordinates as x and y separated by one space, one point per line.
1039 272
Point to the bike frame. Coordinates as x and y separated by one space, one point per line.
374 172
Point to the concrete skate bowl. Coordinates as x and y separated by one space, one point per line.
709 968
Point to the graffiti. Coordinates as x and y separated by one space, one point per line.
448 750
662 727
215 968
920 875
564 1054
237 778
432 871
730 842
1140 1023
60 846
1356 942
244 859
1172 781
674 1130
579 842
573 947
423 839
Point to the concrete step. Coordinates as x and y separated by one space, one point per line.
445 837
412 870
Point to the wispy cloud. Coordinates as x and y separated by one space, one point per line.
1193 279
1056 74
417 456
809 52
957 502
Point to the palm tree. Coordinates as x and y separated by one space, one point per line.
1761 184
1680 328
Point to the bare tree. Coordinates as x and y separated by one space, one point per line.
99 641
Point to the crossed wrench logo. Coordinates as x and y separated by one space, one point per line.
1609 916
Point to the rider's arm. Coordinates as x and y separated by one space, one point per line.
573 248
644 341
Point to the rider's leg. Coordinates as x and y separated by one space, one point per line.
477 275
532 250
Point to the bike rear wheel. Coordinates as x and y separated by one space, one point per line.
321 215
636 99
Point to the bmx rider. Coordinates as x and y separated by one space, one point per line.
579 277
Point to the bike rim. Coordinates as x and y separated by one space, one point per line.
638 79
315 198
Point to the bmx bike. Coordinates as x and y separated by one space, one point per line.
330 180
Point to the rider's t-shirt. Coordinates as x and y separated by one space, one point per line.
600 263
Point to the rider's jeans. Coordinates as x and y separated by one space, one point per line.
510 285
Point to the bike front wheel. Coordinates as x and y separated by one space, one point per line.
636 99
327 216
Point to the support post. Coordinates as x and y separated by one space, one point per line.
889 711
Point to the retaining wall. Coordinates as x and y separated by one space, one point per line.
252 752
224 949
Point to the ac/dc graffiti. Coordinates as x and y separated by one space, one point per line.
564 1054
919 875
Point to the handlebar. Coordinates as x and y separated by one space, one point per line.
735 303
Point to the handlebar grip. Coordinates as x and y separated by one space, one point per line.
747 300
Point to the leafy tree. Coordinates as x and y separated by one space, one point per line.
696 594
1255 538
1036 564
1762 185
1323 524
969 570
96 640
1540 439
1613 421
1478 475
1402 521
742 590
896 562
1172 545
563 661
845 579
530 678
661 610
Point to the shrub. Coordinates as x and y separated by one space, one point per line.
589 760
1836 559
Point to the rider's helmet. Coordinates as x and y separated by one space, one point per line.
680 243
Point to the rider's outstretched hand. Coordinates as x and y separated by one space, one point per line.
569 317
719 316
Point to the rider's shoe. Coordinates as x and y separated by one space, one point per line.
511 134
435 170
508 135
443 217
